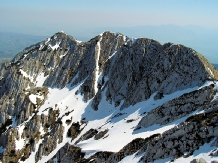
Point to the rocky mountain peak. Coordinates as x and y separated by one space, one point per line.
63 96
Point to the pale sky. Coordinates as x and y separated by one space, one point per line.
165 20
49 16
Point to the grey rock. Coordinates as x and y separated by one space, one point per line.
187 136
68 154
215 143
214 152
201 160
178 107
214 161
127 150
89 134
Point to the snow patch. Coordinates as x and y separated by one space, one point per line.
40 79
21 142
124 38
41 47
97 67
25 55
26 75
101 34
210 71
63 32
61 56
56 46
111 56
78 41
33 98
47 41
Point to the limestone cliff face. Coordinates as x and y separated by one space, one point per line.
144 66
179 107
110 66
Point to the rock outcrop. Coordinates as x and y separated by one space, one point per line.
68 154
186 137
179 107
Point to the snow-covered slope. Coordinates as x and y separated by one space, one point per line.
112 99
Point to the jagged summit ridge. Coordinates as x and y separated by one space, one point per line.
60 93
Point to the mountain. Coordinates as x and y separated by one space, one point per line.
111 99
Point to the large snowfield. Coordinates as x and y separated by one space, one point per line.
120 124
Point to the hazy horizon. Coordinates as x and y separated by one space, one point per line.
191 23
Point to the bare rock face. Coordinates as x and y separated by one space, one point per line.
178 107
89 134
68 154
74 130
143 67
186 137
101 134
110 66
129 149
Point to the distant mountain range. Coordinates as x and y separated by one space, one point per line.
12 43
216 66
